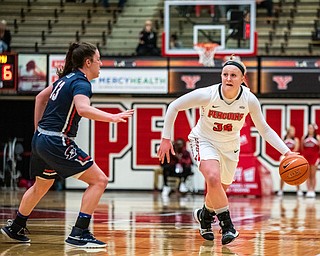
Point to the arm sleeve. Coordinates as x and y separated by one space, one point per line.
264 129
196 98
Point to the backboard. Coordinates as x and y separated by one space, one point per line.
229 23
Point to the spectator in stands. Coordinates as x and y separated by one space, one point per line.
106 4
185 10
199 7
175 43
179 166
5 37
293 143
267 4
310 146
148 41
75 1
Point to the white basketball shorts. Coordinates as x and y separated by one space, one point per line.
227 153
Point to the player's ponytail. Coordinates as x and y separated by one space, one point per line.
68 66
76 56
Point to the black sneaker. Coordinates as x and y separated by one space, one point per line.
228 231
83 238
15 232
205 219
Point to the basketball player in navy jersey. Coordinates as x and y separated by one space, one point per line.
215 141
58 110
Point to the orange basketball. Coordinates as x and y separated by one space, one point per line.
294 169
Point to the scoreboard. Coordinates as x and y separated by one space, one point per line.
8 71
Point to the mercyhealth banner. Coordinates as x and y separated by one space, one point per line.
135 81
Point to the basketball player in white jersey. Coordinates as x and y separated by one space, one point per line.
215 140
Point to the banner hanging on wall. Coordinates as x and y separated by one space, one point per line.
32 73
288 76
185 75
56 62
133 81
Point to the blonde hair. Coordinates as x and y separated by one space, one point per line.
236 61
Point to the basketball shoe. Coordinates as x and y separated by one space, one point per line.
165 191
183 188
280 193
299 193
311 194
15 232
228 231
83 238
205 219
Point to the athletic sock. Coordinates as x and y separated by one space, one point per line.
211 210
83 220
21 219
221 210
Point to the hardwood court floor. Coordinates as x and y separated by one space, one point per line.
141 223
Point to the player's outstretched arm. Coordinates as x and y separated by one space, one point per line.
122 116
84 109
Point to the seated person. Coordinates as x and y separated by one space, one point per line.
179 166
5 37
267 4
175 43
148 41
199 7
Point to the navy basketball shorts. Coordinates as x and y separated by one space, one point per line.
54 156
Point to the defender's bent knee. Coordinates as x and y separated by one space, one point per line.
102 182
213 180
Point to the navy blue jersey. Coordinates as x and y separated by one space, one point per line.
60 114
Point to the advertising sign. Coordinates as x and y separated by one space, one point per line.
133 81
290 76
55 62
32 73
186 75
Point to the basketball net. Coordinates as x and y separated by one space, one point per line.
206 53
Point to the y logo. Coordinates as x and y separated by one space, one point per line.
282 81
190 81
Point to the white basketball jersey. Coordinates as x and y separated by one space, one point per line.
220 121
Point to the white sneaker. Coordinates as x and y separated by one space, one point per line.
183 188
280 193
165 200
183 201
166 191
311 194
299 193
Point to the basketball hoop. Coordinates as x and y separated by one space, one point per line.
206 53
